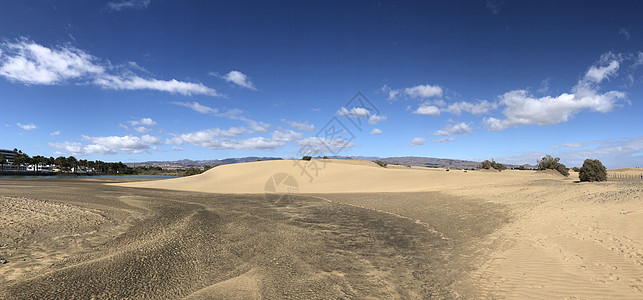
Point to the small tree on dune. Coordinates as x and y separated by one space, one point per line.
592 170
550 163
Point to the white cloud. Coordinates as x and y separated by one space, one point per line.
418 141
424 91
175 148
143 121
128 4
174 140
458 129
478 108
452 129
300 125
598 74
110 145
30 63
358 112
142 129
217 139
391 93
29 126
424 109
133 82
376 131
524 109
126 144
374 119
239 79
57 132
418 91
521 108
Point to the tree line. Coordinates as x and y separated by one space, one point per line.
71 165
66 163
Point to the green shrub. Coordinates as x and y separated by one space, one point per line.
380 163
307 157
487 165
550 163
562 169
325 157
576 169
592 170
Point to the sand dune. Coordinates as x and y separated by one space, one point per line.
330 176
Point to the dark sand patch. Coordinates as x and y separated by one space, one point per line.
169 244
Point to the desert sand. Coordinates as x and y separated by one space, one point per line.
342 229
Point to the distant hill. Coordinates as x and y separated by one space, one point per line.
186 163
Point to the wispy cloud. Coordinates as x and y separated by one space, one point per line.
29 126
30 63
478 108
304 126
233 114
55 133
325 145
494 6
376 131
625 32
128 4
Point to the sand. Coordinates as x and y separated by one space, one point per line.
328 176
352 230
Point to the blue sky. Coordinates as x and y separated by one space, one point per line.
140 80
